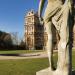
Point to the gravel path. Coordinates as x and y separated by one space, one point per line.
24 56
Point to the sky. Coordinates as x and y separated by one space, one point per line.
12 14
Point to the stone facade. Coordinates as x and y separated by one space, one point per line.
35 35
33 31
74 36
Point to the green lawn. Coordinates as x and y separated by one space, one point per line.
26 66
22 67
19 51
73 59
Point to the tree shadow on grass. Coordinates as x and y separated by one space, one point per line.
20 55
9 55
73 72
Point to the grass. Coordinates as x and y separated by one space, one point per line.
19 51
22 67
26 66
73 59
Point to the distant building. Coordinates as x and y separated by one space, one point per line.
33 31
74 36
35 35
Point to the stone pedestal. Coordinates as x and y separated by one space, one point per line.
48 71
43 72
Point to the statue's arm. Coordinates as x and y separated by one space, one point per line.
41 6
69 2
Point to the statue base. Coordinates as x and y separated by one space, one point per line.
48 71
43 72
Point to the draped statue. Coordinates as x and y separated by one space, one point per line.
57 13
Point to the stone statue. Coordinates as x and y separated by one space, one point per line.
57 13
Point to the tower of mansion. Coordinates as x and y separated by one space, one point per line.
35 36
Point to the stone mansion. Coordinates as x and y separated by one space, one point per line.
35 36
